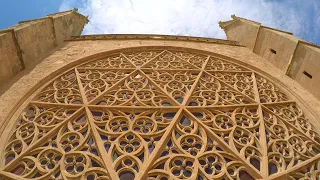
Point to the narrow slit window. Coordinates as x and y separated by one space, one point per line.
273 51
307 74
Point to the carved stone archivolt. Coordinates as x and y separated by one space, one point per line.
161 114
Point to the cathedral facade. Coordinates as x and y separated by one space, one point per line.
153 106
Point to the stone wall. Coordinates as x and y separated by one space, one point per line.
293 56
235 29
276 47
67 25
24 44
35 38
10 63
305 67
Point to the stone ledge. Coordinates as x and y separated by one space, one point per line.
286 32
152 37
225 24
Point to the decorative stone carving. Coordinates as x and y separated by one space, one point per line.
161 114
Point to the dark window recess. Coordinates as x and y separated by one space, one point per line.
307 74
273 51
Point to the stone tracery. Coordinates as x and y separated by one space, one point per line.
161 114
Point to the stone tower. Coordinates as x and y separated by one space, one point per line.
155 106
293 56
26 43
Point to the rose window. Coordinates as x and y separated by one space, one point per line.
161 114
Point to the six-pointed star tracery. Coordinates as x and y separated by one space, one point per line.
161 114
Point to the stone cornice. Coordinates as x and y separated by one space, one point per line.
286 32
225 24
153 37
51 16
63 12
16 45
234 17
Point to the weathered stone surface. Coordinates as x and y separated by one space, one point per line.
26 43
283 44
75 50
305 68
294 57
238 27
35 38
9 59
53 61
67 25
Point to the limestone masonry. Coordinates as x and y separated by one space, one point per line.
295 57
24 44
157 107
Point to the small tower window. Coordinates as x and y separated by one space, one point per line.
307 74
273 51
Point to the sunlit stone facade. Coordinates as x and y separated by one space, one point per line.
157 107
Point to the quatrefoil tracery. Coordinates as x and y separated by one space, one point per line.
161 114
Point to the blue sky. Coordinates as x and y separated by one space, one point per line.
176 17
13 11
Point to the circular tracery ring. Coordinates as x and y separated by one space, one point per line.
161 113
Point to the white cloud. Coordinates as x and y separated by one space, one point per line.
193 17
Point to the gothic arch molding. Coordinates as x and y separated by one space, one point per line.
166 94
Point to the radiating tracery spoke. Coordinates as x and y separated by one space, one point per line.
136 90
140 58
310 171
210 92
64 90
191 153
113 61
238 127
130 136
168 60
70 153
161 114
195 59
217 64
292 114
33 124
269 92
175 83
287 147
95 82
241 81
